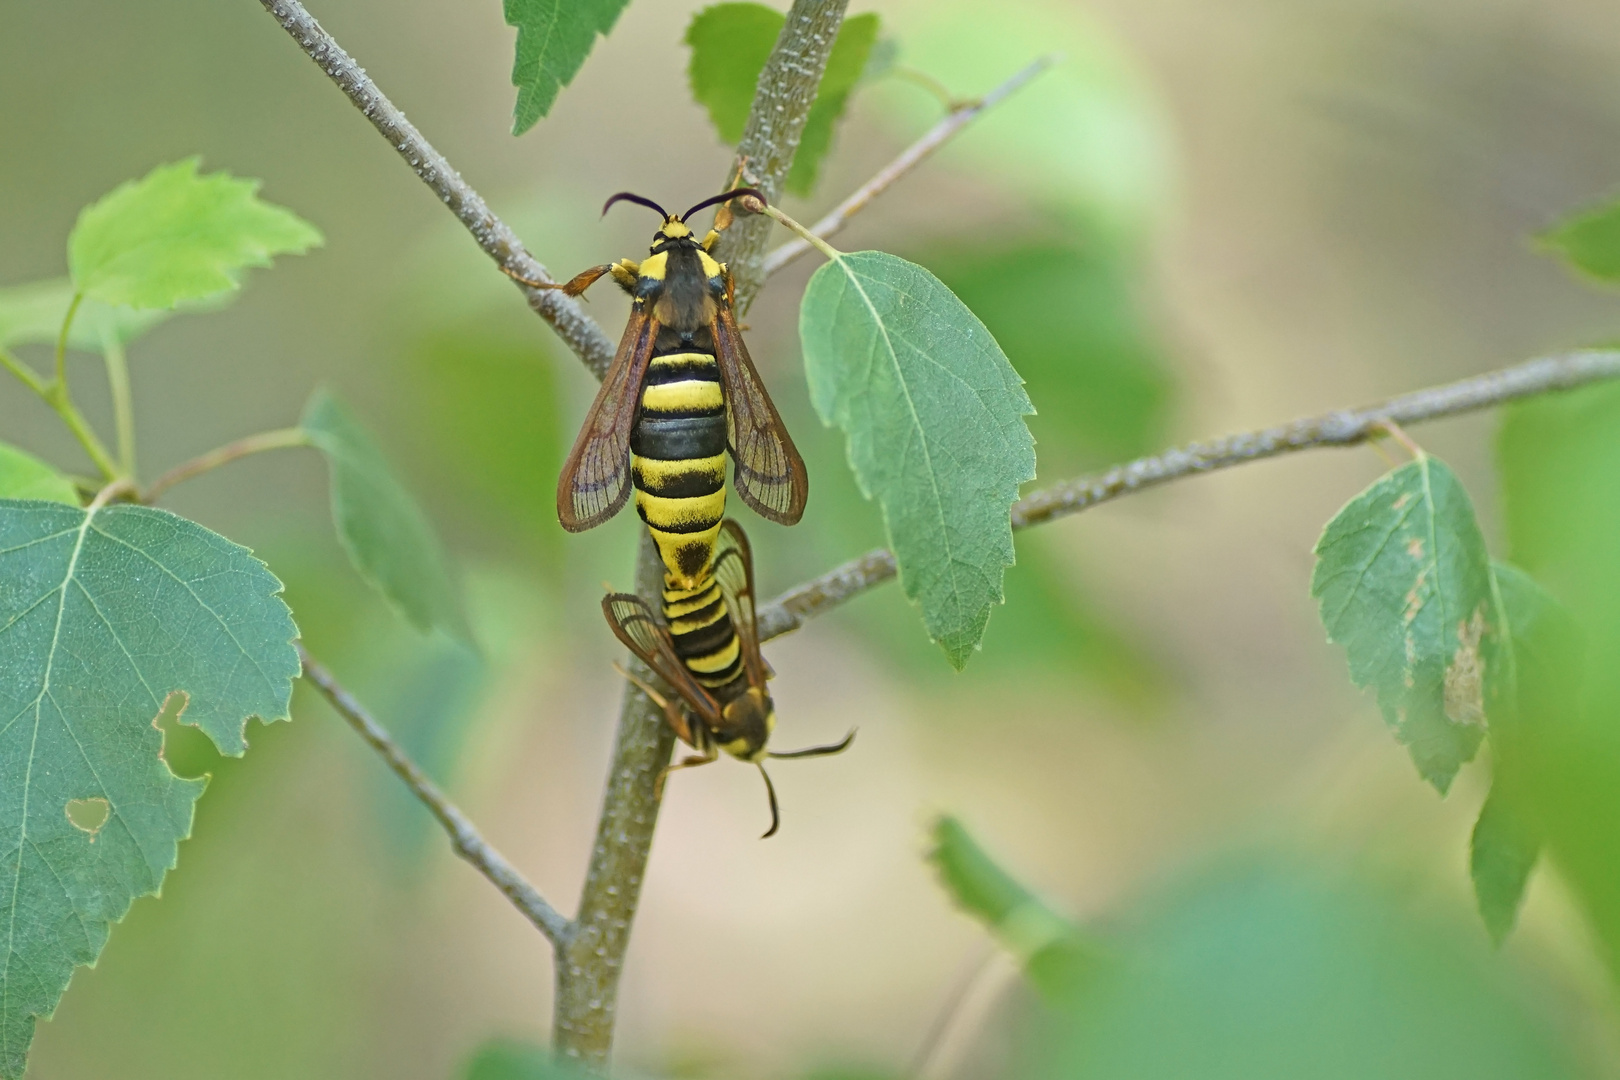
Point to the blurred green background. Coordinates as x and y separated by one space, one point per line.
1211 217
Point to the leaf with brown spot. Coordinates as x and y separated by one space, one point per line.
1403 583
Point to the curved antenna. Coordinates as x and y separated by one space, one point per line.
726 196
770 790
625 196
819 751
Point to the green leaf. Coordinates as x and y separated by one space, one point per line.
1502 852
102 618
1404 584
934 418
32 314
554 38
730 44
386 534
174 235
512 1059
24 476
1590 241
1049 946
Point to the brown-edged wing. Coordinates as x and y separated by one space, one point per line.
770 474
734 571
644 634
595 480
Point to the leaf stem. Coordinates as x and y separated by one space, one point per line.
55 394
123 402
224 455
1342 427
809 238
24 373
62 337
467 841
960 117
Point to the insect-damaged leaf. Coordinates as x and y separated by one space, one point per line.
1403 583
384 531
554 38
174 236
934 418
730 44
24 476
102 618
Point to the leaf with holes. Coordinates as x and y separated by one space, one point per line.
173 236
554 38
730 44
102 617
1404 584
386 534
24 476
934 415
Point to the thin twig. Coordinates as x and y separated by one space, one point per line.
123 402
464 838
577 329
913 155
1345 427
241 448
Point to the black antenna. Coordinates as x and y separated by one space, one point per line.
726 196
819 751
770 790
625 196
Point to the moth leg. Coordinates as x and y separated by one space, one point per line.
574 286
709 756
672 712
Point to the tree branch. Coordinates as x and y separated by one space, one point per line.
588 971
913 155
577 329
1345 427
786 90
464 838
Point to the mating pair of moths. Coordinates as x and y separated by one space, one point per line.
682 392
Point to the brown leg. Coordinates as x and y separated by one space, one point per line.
691 761
672 712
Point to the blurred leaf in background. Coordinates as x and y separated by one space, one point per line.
1067 307
1052 950
24 476
1559 462
554 38
32 314
173 236
730 44
1261 969
386 534
513 1059
1088 135
1590 241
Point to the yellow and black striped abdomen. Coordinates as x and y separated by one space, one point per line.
706 642
678 461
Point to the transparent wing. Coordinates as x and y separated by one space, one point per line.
734 570
644 634
770 474
595 480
